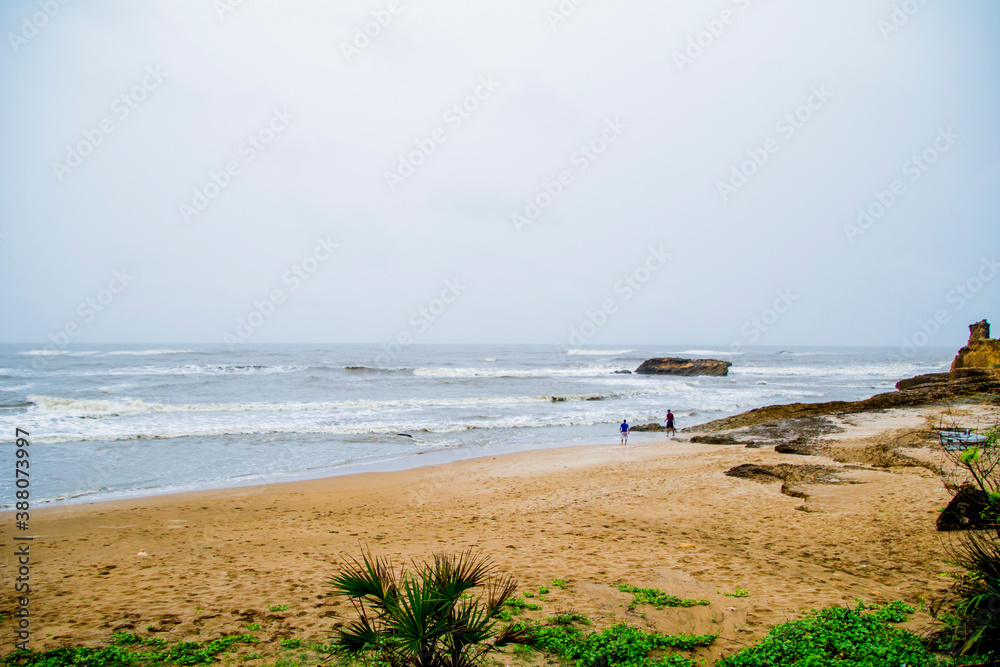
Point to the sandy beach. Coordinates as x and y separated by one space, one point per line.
663 515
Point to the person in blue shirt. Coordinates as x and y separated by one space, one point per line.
624 428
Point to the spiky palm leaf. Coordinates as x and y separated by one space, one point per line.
426 617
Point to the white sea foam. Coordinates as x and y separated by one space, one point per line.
56 353
188 369
142 353
599 353
715 353
893 370
102 408
589 371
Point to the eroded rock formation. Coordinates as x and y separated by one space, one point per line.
981 351
678 366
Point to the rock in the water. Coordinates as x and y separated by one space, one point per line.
623 372
649 427
965 511
678 366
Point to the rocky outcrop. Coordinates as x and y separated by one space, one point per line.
981 351
975 373
678 366
921 380
963 383
653 427
966 511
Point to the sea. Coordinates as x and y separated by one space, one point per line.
120 421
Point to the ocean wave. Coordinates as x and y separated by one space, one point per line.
589 371
54 353
77 407
142 353
375 369
892 370
710 352
188 369
388 432
598 353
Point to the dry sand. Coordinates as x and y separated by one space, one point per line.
663 515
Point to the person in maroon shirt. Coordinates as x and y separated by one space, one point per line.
670 423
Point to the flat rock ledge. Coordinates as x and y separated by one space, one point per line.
685 367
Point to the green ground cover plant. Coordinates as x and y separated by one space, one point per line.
127 650
860 637
520 604
657 598
618 646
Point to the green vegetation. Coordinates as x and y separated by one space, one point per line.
619 645
657 598
418 618
277 607
559 583
542 590
859 637
128 649
520 605
291 643
566 619
738 593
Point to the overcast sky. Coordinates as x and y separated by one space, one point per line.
740 138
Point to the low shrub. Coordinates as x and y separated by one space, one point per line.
619 646
859 637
